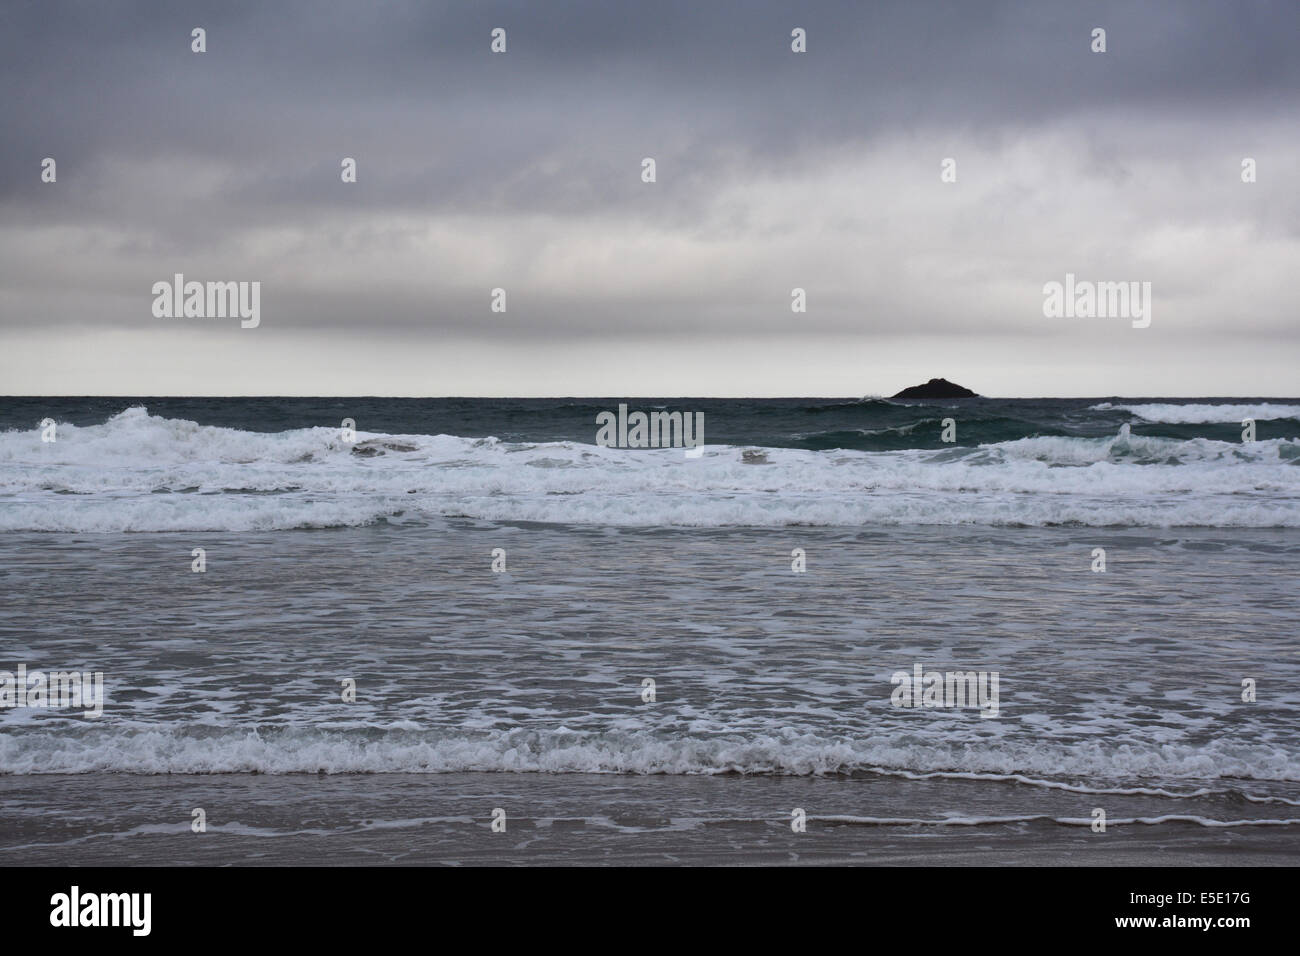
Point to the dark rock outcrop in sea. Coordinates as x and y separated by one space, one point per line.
936 388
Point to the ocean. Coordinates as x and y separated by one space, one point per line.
469 634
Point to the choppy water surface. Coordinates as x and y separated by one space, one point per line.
1119 689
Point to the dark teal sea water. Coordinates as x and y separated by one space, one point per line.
810 423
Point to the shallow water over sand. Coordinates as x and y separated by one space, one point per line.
1119 690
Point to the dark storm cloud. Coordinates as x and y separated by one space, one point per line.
286 87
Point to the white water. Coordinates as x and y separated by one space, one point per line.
138 472
1205 414
202 749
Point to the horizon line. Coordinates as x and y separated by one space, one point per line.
641 397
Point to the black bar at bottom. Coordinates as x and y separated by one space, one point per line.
655 906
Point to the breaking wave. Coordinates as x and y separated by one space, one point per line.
198 748
1204 414
139 472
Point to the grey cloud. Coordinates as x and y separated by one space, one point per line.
523 170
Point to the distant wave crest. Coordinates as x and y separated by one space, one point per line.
1204 414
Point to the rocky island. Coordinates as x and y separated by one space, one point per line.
936 388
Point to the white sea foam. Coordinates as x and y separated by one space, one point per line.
1204 414
138 472
968 821
199 749
1080 788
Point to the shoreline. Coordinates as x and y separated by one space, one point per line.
586 819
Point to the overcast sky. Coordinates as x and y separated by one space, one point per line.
775 170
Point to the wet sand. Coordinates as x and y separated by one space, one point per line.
589 819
